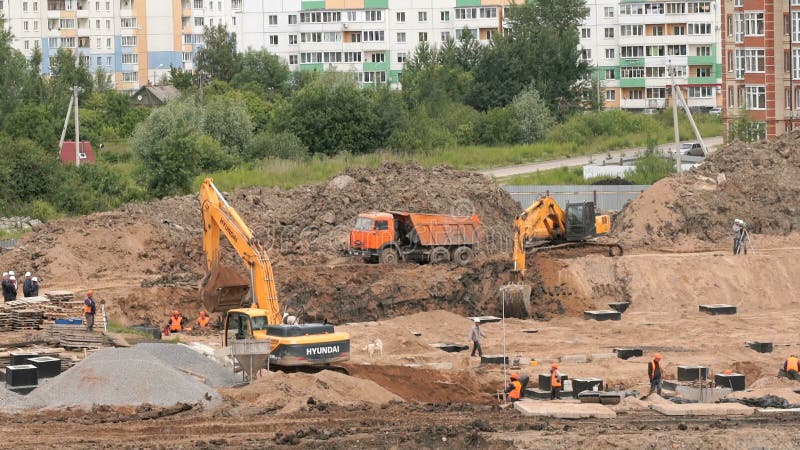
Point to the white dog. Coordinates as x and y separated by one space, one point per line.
376 346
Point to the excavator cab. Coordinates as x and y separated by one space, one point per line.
580 221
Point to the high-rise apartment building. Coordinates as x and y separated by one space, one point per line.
632 45
761 55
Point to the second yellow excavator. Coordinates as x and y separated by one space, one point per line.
224 290
544 226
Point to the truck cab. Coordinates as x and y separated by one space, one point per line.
372 231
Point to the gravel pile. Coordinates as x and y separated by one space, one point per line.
186 360
9 399
121 377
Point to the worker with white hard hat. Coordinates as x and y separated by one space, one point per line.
475 336
8 288
13 280
26 285
738 227
34 287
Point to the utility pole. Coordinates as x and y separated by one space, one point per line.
675 120
75 91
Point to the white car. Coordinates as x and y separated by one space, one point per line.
691 148
715 110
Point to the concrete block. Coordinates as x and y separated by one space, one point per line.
610 398
451 348
536 393
487 319
599 356
46 366
760 347
494 359
579 359
703 409
702 395
626 353
544 381
18 358
718 309
619 306
586 384
604 314
561 410
589 397
775 411
21 375
692 373
734 381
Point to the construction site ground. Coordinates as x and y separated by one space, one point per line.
146 259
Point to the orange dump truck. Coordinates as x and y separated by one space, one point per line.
389 237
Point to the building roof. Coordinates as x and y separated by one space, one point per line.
163 93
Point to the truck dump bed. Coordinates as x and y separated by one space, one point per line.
442 230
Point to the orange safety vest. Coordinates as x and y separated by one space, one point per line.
515 393
175 323
555 380
87 309
793 363
203 321
652 371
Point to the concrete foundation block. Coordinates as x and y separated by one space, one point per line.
703 409
579 359
760 347
564 410
619 306
692 373
734 381
494 359
605 314
718 309
599 356
626 353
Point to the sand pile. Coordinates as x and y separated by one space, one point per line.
290 392
759 183
119 376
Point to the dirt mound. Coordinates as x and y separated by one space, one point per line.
759 183
290 392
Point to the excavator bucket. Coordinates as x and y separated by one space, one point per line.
223 289
517 298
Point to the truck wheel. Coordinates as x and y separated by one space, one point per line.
389 256
463 256
439 255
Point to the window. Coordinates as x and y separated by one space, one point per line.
631 72
466 13
401 57
352 16
753 24
108 61
198 4
422 16
444 16
27 44
630 10
655 50
401 37
68 42
320 57
128 41
632 51
756 97
352 56
130 77
108 6
25 25
35 6
611 95
796 64
701 92
99 60
657 30
97 43
654 8
375 77
738 34
318 36
680 71
609 32
374 16
611 74
703 50
586 54
631 30
699 7
97 24
198 22
738 3
401 16
355 37
293 21
610 53
53 42
731 98
292 58
704 71
186 57
66 24
273 19
586 33
795 26
608 11
699 28
446 36
678 30
273 39
655 72
130 22
292 39
676 50
656 92
378 57
636 94
108 24
488 13
739 63
373 36
423 36
130 58
753 60
676 8
35 25
321 17
24 6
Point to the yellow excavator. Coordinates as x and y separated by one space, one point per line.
225 290
545 226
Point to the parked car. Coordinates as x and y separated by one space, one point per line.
691 149
717 110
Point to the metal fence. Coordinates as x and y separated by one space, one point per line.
8 244
605 197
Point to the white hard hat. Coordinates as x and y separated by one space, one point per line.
13 277
35 279
476 320
27 274
11 272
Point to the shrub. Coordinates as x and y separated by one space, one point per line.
283 145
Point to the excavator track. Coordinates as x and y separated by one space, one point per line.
612 249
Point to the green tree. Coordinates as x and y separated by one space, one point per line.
28 172
67 73
262 72
218 58
227 121
183 80
283 145
12 73
434 77
102 80
34 122
532 114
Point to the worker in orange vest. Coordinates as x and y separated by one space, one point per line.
555 382
176 322
89 310
654 372
792 367
514 388
203 320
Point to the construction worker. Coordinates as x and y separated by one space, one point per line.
555 382
203 319
34 287
26 285
89 310
176 322
792 367
8 288
475 336
654 372
514 388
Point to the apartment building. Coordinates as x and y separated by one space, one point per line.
134 40
632 46
369 38
761 54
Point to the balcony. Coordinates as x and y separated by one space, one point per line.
701 60
631 62
631 82
703 80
